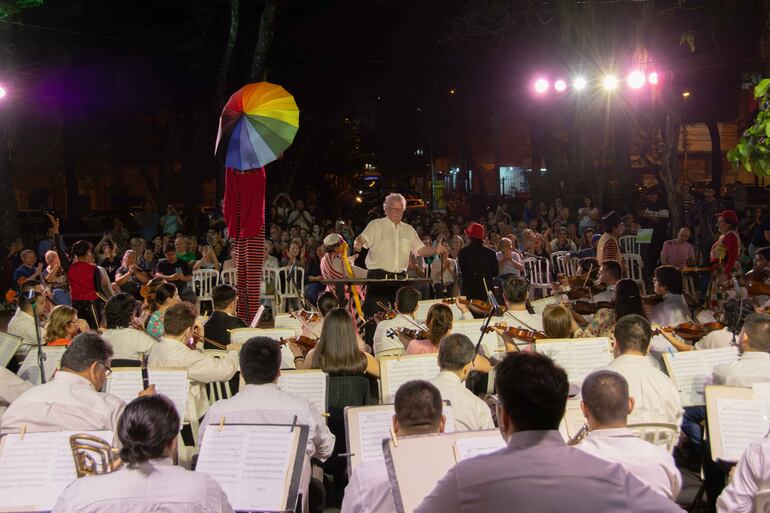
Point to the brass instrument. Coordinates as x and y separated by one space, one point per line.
93 455
580 436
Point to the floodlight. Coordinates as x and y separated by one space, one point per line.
610 82
560 86
635 79
579 83
3 92
541 85
652 78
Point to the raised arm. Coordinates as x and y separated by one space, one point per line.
65 262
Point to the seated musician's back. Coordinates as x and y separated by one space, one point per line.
754 364
223 318
71 400
148 481
537 471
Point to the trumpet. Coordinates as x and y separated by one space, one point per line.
93 455
580 436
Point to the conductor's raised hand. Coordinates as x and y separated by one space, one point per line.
54 222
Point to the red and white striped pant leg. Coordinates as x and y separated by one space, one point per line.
249 256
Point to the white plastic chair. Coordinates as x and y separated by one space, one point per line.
628 244
289 287
230 277
204 280
217 390
555 259
633 269
662 434
538 273
566 265
270 276
762 501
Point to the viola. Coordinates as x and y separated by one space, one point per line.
586 308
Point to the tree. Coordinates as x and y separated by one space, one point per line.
753 149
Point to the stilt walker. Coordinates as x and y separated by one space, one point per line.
257 125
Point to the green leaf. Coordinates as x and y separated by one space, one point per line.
761 89
743 149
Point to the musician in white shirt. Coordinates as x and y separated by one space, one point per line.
610 273
750 476
172 351
407 299
71 401
11 387
754 364
673 310
515 292
390 242
127 342
456 354
656 398
148 481
418 412
22 324
606 405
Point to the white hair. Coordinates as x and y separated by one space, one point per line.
394 196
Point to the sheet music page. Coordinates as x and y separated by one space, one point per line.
251 463
172 383
741 422
470 447
125 384
573 419
762 395
714 357
402 370
692 371
589 355
490 342
423 306
241 335
310 385
31 372
286 321
8 346
35 470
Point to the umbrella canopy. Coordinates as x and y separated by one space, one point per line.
257 124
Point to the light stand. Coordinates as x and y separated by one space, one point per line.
40 353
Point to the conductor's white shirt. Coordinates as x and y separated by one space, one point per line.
201 369
751 475
128 343
150 487
470 413
268 404
369 490
751 367
656 397
649 463
68 402
390 244
11 387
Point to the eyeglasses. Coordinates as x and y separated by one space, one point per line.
107 369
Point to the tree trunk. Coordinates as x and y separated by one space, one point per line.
716 156
9 217
266 28
669 171
224 64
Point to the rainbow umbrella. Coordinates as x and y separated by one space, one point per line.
257 124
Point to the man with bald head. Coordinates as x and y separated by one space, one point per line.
678 252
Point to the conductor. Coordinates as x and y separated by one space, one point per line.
390 242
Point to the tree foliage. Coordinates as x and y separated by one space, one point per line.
9 8
753 149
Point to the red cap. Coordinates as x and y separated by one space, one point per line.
730 216
475 231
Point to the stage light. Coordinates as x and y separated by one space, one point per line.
579 83
610 82
635 79
652 78
3 92
541 85
685 93
560 86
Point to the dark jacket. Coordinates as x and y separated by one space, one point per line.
477 264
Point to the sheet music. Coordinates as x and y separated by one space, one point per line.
36 469
762 395
423 306
310 385
251 463
741 422
490 342
241 335
573 419
257 316
374 426
172 383
399 371
692 371
31 372
578 357
8 346
471 447
286 321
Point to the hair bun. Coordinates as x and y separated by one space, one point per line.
134 453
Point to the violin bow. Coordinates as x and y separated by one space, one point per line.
406 317
302 321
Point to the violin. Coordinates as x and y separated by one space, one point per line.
651 299
306 343
758 288
525 335
692 331
408 333
586 308
309 316
475 305
585 292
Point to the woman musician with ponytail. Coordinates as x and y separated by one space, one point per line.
148 479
